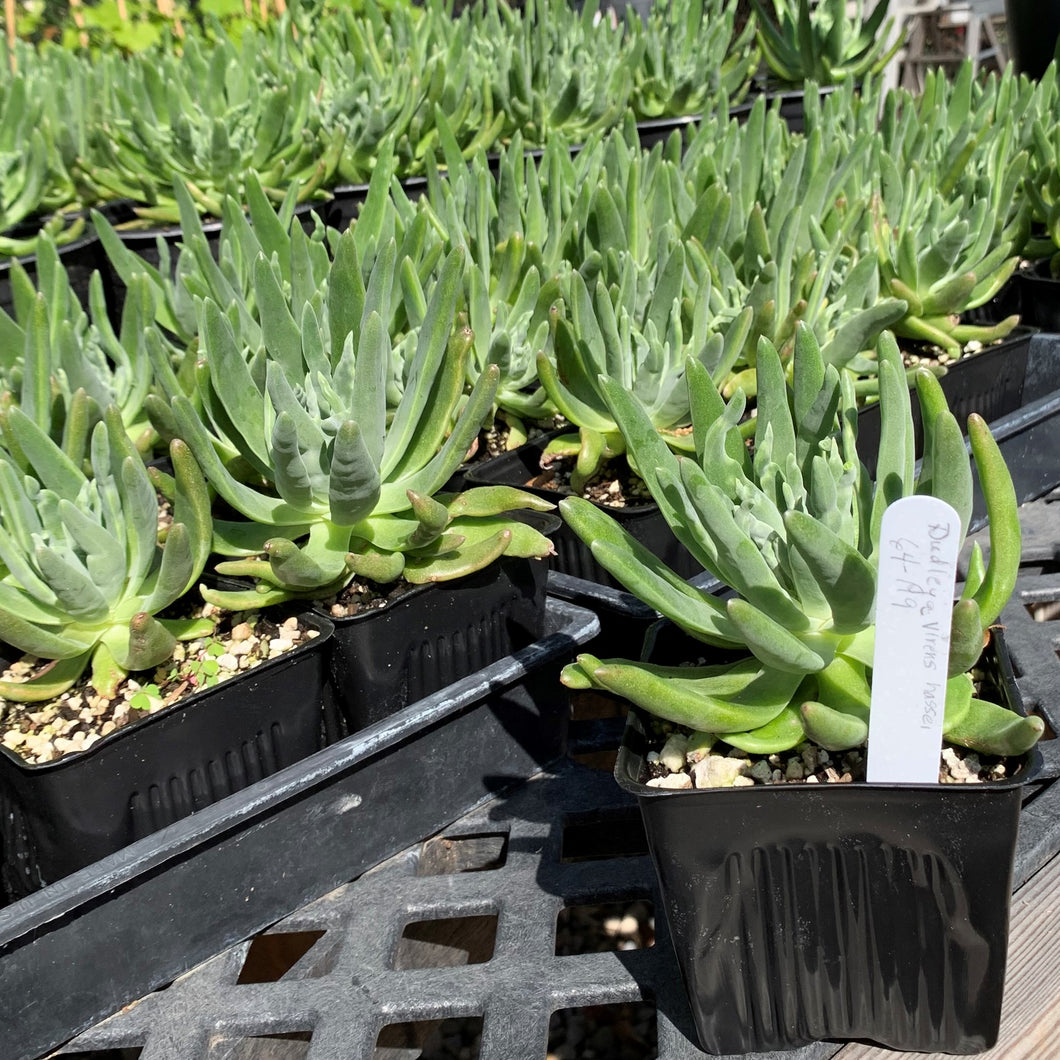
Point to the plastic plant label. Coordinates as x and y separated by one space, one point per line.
919 542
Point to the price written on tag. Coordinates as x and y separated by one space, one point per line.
919 542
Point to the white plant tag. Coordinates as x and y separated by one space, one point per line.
919 542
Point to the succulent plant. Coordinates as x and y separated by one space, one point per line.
794 529
207 119
691 61
803 40
647 354
84 576
386 81
35 182
944 258
307 412
514 261
250 226
779 225
954 125
1042 190
555 69
62 369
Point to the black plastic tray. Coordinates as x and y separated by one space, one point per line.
57 817
82 948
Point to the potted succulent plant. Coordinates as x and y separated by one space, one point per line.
112 727
692 59
1039 278
850 887
38 145
813 46
339 495
645 348
820 42
62 365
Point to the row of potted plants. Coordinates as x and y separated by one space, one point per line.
241 358
727 214
310 100
626 261
316 389
336 85
322 494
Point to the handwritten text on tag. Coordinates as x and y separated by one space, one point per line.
919 542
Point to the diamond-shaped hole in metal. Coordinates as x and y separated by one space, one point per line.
447 855
616 833
273 954
628 925
430 1040
449 943
292 1046
623 1031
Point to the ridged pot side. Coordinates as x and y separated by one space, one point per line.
804 912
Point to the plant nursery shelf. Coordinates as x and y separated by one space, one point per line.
487 899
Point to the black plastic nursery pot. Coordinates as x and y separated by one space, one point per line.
837 911
383 660
57 817
652 131
80 257
1029 438
170 900
990 383
1039 296
789 100
643 521
344 206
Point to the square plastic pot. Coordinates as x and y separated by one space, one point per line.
990 383
643 521
383 660
805 912
57 817
167 902
1039 297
